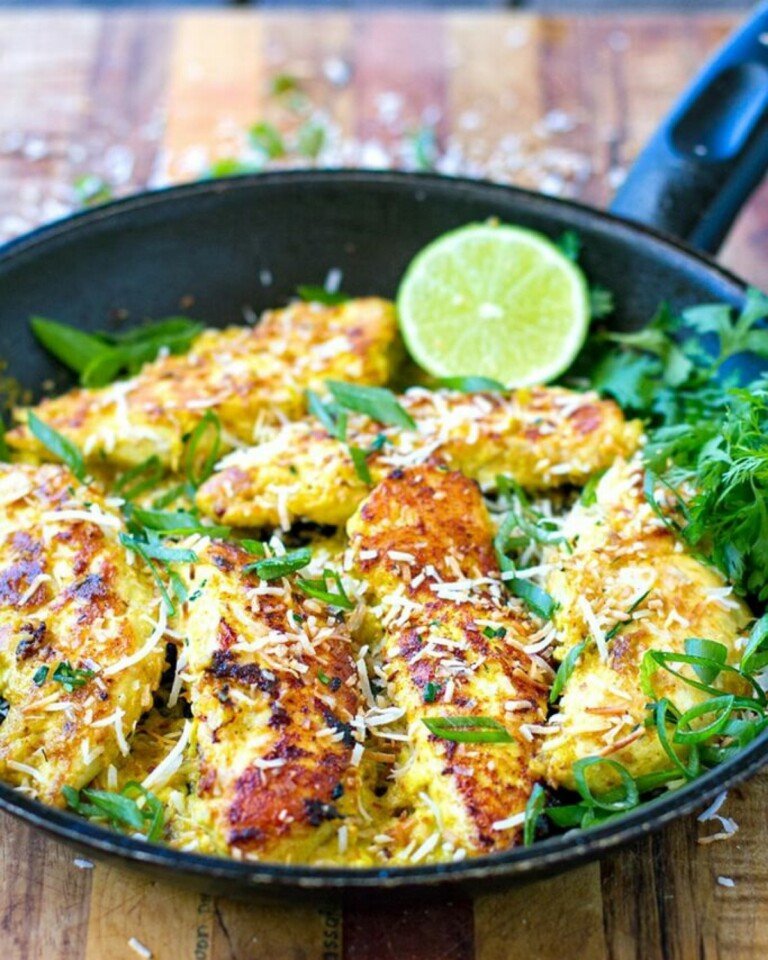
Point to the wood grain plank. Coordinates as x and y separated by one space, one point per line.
558 917
45 62
126 97
164 918
215 92
44 897
493 106
291 931
78 78
399 76
433 931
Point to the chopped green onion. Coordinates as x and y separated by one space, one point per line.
71 677
430 691
119 808
465 729
655 659
495 634
335 425
171 496
378 403
100 358
588 496
471 384
620 624
198 474
755 655
40 675
312 294
722 707
75 348
319 590
660 712
145 476
360 461
629 796
710 650
533 810
565 670
536 599
57 444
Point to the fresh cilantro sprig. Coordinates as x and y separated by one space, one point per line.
694 377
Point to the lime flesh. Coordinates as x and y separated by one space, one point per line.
495 301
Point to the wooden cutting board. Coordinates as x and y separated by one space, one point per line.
560 104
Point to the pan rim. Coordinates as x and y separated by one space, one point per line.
557 852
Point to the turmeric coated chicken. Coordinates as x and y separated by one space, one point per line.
247 376
625 587
81 632
543 438
452 645
270 674
385 693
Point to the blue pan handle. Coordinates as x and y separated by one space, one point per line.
711 152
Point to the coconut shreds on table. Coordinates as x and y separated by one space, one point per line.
138 947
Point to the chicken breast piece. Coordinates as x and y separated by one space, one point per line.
542 437
453 645
627 568
81 632
271 679
249 376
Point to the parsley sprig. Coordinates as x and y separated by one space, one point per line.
695 377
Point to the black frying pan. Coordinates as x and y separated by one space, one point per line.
207 245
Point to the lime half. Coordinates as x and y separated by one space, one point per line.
493 301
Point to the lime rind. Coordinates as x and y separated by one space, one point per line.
495 301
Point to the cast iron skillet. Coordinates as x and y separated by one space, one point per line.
211 249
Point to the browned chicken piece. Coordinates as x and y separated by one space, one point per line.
453 644
625 586
543 437
81 632
271 677
248 376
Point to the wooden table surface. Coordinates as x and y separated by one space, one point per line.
561 105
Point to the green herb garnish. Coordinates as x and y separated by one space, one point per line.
101 357
273 568
533 810
471 384
139 479
566 668
120 809
39 676
320 590
201 450
378 403
267 139
57 444
465 729
71 677
315 294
